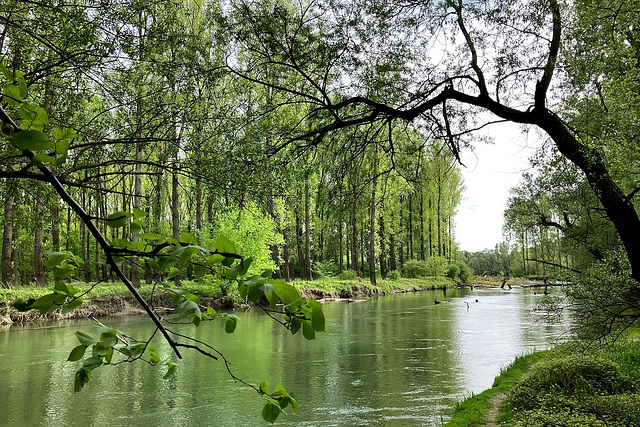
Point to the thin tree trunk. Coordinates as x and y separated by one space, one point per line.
372 234
7 240
410 248
422 253
137 192
340 247
354 238
38 262
307 226
275 253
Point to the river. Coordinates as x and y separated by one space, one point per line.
398 360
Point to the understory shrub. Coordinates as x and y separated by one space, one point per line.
414 269
393 275
465 272
348 274
453 271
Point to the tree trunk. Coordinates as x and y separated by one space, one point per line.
301 264
383 255
372 234
38 263
354 238
137 192
340 247
422 253
275 253
307 226
7 240
175 216
410 248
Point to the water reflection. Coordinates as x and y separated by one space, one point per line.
397 360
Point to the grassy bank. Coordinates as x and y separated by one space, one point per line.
566 386
114 298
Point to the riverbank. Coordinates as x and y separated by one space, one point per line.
565 386
111 299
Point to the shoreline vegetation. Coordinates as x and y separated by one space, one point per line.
569 385
113 299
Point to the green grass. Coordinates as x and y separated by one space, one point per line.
567 386
346 288
474 410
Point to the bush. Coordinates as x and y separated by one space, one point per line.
465 272
436 266
348 274
414 269
567 377
393 275
325 269
453 271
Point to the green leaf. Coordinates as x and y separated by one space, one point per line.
7 74
63 134
62 147
109 355
45 303
295 325
55 258
40 159
22 305
267 273
186 254
271 411
192 297
225 245
77 353
118 219
244 266
33 140
82 377
149 236
307 330
171 369
136 226
11 94
85 339
72 305
109 338
200 270
139 213
166 261
92 363
99 349
317 315
188 238
63 271
42 113
287 293
23 88
154 358
173 272
264 387
230 323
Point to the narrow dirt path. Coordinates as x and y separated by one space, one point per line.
492 415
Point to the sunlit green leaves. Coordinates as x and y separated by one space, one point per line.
33 140
230 323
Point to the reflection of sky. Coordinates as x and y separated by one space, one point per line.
496 329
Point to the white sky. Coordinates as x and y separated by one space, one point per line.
491 171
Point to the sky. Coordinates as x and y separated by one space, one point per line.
491 170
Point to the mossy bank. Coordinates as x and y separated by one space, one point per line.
568 386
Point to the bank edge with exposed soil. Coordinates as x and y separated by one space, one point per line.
123 303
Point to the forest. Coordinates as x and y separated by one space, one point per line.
250 145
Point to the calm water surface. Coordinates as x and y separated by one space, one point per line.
392 361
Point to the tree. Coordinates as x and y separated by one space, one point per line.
507 46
